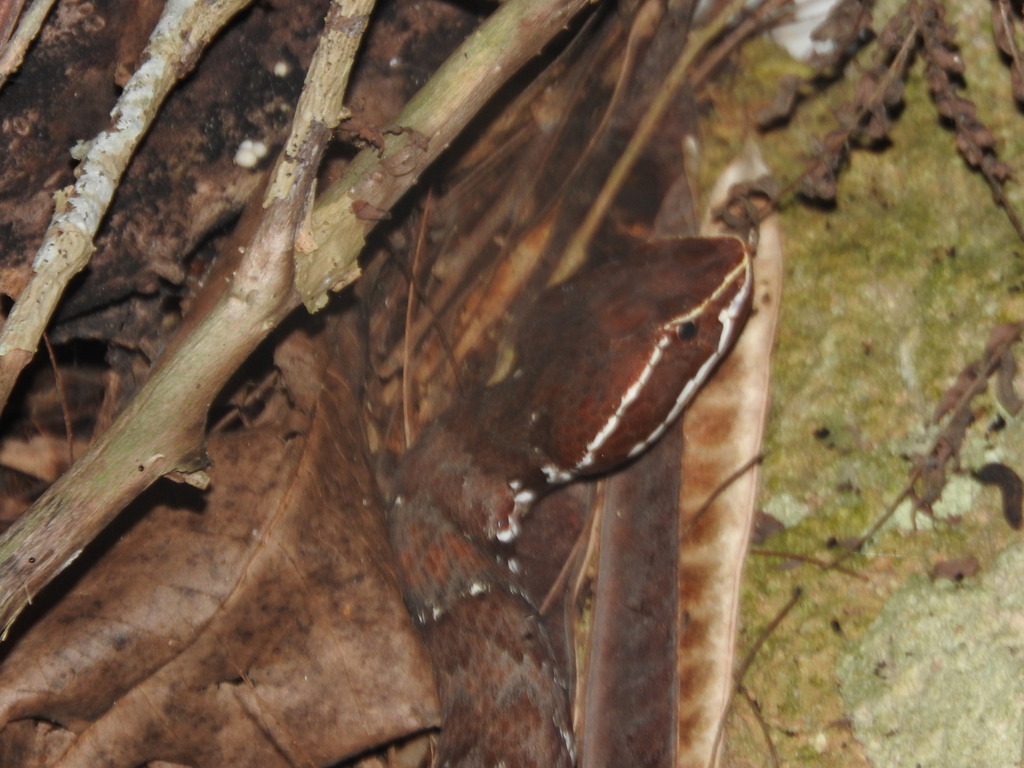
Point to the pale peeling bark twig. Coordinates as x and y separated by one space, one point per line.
343 31
178 40
161 429
13 51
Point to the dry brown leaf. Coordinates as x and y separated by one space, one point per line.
258 625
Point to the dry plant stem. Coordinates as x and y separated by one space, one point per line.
577 249
759 18
13 53
58 384
161 429
744 666
773 753
1006 18
321 100
510 37
822 564
179 38
410 313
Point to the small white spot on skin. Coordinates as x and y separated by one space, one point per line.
432 613
506 530
515 485
525 497
556 475
570 743
518 591
478 588
282 69
508 534
513 565
394 62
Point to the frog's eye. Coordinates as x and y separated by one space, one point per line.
687 330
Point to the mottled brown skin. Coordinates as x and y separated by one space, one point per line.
483 463
500 697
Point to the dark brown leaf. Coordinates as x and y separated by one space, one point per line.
262 620
1006 393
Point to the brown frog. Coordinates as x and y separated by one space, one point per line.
605 362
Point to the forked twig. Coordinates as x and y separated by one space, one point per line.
741 672
930 469
161 429
178 40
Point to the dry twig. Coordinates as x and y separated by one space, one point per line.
161 429
177 42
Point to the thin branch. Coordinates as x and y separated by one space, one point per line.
161 429
179 38
824 565
13 51
376 179
696 44
62 397
744 667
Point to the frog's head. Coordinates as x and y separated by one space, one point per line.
607 360
619 352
